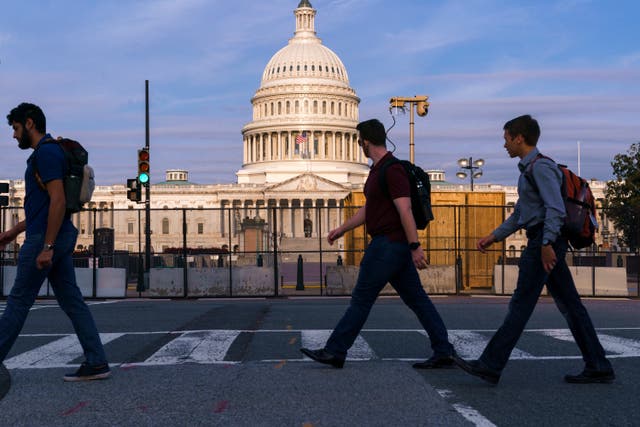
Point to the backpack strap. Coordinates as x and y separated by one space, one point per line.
528 172
35 163
382 177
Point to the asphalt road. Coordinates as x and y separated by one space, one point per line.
236 363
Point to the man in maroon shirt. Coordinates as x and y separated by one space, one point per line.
393 256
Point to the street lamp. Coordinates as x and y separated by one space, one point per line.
474 168
422 108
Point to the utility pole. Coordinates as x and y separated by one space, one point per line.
422 108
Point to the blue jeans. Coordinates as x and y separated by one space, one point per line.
62 278
386 261
560 284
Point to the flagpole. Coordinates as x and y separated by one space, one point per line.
579 172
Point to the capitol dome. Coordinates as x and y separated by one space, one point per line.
304 114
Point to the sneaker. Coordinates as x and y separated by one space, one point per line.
87 372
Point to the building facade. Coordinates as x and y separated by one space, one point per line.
300 156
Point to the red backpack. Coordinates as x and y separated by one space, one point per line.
580 224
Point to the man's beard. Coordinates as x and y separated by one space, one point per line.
24 142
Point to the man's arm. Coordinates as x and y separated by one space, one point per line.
57 209
403 205
353 222
508 227
10 235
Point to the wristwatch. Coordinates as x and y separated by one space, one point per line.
546 242
414 245
49 246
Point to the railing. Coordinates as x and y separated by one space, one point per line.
282 251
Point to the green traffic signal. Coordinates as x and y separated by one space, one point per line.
143 178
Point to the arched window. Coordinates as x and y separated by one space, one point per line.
165 225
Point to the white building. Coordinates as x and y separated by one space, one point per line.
300 153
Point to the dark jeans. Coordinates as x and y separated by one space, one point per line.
560 284
63 281
385 261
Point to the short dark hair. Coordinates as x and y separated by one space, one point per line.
526 126
373 131
25 111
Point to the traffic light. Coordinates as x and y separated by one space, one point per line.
143 166
4 189
134 190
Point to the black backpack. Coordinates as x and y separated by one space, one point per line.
420 190
78 180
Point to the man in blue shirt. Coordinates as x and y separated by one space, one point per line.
48 246
541 212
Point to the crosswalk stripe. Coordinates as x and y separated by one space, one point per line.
195 347
612 344
470 345
56 354
317 339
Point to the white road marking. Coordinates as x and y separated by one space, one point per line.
196 347
469 413
56 354
472 415
470 345
612 344
315 339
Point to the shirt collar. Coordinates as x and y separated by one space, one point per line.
382 160
522 164
45 137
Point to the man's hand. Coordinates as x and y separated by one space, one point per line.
44 260
485 242
419 260
549 259
334 235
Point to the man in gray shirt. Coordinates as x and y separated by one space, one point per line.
540 210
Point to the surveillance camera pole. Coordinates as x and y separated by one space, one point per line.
422 106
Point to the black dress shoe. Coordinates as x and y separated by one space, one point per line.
591 377
323 356
435 362
477 368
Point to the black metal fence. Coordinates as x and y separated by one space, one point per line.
280 251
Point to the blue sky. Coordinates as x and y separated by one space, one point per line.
572 64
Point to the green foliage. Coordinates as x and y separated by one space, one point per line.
622 195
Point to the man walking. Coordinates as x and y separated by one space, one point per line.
540 210
48 246
392 256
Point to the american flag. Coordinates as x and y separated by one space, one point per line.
301 138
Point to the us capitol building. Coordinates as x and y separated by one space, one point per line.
300 153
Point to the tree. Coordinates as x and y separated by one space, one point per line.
622 195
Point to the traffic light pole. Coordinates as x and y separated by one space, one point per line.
147 200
